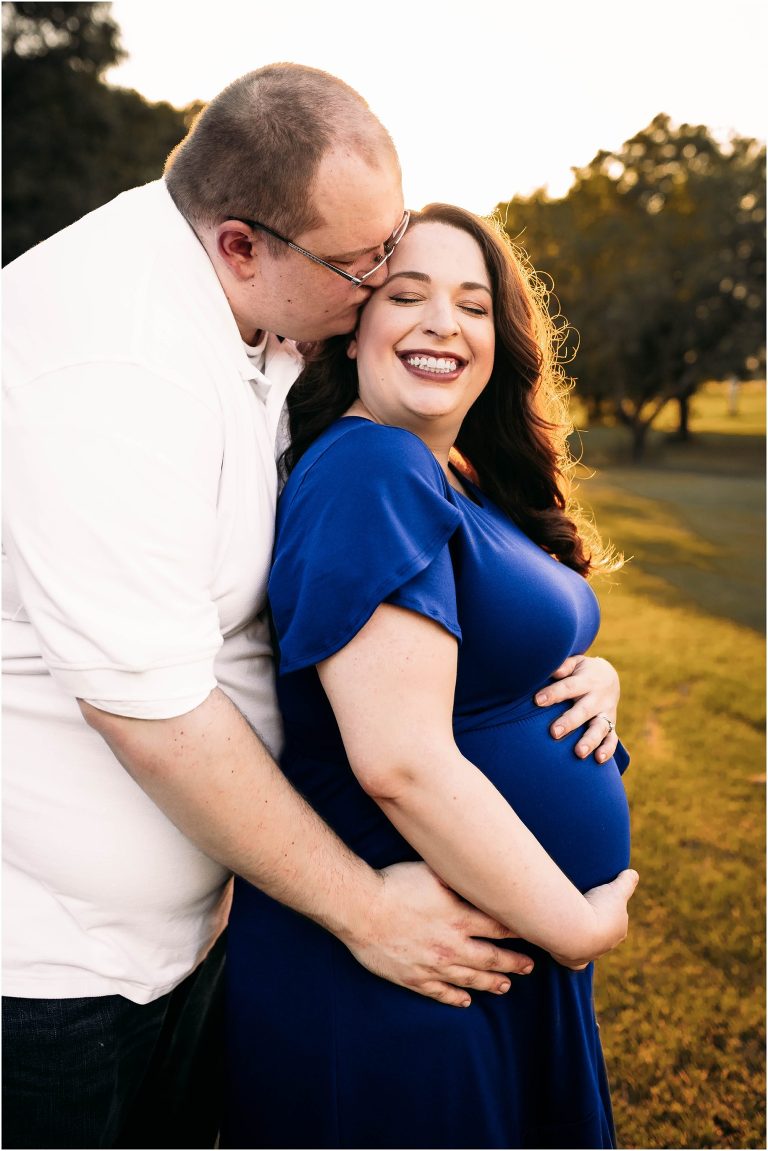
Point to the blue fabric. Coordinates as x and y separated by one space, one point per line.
343 544
322 1053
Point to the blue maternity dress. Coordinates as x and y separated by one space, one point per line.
322 1054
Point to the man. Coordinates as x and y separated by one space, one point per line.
144 386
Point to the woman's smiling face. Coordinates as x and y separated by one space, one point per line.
425 343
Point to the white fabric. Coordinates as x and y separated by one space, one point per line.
139 493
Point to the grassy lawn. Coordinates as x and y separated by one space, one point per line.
682 1003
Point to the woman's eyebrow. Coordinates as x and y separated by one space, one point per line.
466 286
410 276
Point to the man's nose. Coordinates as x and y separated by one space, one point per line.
377 278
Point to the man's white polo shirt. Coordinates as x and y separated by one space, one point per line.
139 493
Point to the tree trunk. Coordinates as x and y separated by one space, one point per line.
595 410
683 433
639 437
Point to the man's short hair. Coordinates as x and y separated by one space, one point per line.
255 149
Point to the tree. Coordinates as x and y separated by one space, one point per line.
658 258
70 142
82 37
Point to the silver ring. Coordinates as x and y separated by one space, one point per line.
611 724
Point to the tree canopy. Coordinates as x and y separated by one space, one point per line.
82 37
658 259
657 253
71 142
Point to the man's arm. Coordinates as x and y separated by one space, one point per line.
215 780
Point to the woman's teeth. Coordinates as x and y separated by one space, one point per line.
432 363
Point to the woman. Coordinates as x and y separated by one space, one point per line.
417 612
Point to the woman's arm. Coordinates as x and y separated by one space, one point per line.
392 690
212 776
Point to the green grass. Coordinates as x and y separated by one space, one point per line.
682 1002
720 443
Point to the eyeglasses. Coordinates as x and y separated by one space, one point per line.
388 246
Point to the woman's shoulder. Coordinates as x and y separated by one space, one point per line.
357 446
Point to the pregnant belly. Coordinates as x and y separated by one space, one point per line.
577 809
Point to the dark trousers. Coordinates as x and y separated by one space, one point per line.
105 1072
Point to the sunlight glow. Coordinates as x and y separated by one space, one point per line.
483 101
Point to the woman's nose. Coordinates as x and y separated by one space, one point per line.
440 319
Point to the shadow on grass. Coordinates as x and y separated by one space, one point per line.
682 1002
700 529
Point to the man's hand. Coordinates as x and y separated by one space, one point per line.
213 778
609 903
594 684
424 937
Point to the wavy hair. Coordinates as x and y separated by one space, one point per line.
514 438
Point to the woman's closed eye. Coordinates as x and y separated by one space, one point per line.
471 307
406 298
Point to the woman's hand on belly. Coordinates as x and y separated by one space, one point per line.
594 684
392 689
609 902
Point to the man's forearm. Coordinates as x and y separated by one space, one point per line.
216 781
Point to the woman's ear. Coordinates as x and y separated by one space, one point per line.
352 348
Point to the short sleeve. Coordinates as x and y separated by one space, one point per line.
364 519
110 526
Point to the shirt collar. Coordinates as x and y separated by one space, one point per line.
276 367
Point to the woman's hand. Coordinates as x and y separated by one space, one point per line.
392 689
594 684
609 904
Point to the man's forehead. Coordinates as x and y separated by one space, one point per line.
358 204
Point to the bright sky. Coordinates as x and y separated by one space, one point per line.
484 98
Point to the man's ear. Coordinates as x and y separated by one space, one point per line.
237 246
352 348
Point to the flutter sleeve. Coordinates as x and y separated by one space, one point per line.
364 519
